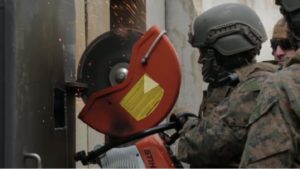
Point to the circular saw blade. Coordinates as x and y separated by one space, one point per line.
106 59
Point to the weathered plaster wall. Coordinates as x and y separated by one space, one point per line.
155 13
179 15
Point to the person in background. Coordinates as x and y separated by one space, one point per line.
282 48
274 132
228 37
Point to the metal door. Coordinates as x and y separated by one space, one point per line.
1 84
39 58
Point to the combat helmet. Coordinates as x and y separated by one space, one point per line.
291 11
228 28
289 5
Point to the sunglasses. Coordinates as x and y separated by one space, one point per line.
284 44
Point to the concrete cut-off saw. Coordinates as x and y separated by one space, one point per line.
132 82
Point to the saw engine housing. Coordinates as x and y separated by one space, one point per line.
150 152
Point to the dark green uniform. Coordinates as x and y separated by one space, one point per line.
218 139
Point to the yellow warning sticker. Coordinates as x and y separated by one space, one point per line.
143 98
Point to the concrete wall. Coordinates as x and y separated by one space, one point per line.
155 13
175 16
179 15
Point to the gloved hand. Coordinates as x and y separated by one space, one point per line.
180 117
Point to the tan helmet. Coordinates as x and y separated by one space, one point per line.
280 30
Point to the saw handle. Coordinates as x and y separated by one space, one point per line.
181 118
175 123
92 155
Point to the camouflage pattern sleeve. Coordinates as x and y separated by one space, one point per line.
221 135
206 142
273 137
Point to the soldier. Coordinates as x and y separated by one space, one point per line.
228 37
282 49
274 132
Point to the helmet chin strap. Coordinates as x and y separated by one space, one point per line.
230 79
219 76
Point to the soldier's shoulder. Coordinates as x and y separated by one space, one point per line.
256 70
273 62
249 85
268 66
295 60
255 82
287 76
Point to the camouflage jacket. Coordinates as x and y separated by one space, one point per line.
212 97
218 139
274 127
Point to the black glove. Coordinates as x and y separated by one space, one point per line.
181 118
